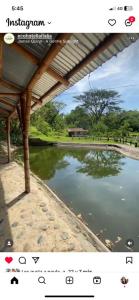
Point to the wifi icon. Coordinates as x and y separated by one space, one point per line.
35 259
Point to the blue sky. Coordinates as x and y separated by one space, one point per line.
120 73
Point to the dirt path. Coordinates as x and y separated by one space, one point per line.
38 221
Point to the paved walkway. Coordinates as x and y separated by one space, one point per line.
38 221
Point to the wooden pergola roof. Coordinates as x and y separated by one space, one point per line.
49 69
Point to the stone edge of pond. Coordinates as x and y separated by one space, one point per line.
88 233
123 149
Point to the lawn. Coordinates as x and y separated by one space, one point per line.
34 133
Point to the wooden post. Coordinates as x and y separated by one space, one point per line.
25 115
8 139
1 55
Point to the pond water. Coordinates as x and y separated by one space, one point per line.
102 186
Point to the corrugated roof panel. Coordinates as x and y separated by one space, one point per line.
94 39
59 67
82 49
70 55
38 49
17 68
87 43
100 36
119 46
106 55
44 84
64 62
78 50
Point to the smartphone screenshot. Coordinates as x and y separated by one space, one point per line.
69 150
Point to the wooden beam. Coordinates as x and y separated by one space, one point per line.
6 102
33 59
8 139
108 41
4 111
104 45
1 55
18 108
9 94
12 113
49 92
58 77
51 54
36 100
11 85
25 109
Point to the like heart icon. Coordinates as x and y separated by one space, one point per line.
8 259
112 22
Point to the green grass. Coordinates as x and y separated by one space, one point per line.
34 133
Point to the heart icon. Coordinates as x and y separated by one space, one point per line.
112 22
8 259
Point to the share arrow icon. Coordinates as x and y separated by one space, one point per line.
35 259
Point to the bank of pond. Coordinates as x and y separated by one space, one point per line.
100 186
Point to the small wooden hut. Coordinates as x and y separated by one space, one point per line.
77 132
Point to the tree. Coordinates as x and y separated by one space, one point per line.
59 123
132 117
16 133
78 118
99 102
100 129
48 117
125 129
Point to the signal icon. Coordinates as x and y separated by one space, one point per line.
35 259
112 8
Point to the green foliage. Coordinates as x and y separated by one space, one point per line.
125 129
48 119
98 112
100 129
42 125
59 123
16 136
78 118
99 102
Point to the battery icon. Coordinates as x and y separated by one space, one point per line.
128 8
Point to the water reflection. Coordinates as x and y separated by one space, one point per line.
99 163
95 163
100 185
45 161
